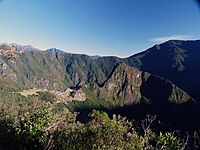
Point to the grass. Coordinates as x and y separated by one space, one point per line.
9 92
92 102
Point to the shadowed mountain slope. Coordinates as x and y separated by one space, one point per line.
126 86
175 60
133 93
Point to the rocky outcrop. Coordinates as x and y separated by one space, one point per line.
127 85
5 70
123 86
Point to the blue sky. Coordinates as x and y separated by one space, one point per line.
102 27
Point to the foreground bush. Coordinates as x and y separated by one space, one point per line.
37 127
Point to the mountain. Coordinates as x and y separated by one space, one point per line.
9 92
18 47
52 70
134 94
175 60
96 56
126 86
122 87
54 50
112 82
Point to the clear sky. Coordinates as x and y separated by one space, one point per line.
102 27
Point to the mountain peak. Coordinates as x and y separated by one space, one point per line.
123 85
127 85
18 47
96 56
54 50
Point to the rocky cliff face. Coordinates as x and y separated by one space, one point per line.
123 86
127 85
5 70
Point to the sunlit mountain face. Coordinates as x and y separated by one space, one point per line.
91 75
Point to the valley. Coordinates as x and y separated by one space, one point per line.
154 82
113 80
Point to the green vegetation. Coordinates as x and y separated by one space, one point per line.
46 96
9 92
39 122
42 122
92 102
59 108
35 126
178 58
175 60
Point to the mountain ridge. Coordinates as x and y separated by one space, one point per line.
173 60
129 84
121 85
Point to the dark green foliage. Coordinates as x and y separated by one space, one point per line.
89 104
46 96
35 126
102 132
145 100
30 127
59 108
85 107
7 130
9 92
92 102
194 141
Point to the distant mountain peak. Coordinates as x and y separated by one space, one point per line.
54 50
18 47
96 56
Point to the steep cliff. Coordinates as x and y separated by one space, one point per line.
127 85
